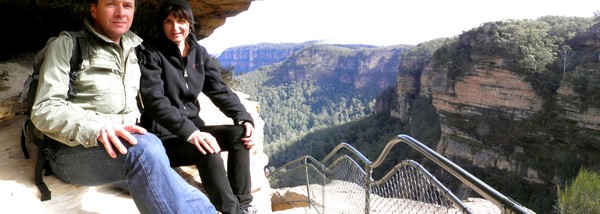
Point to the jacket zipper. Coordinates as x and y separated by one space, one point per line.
123 65
185 76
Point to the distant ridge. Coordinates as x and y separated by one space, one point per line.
247 58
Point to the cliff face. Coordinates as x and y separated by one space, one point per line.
588 118
488 86
487 89
492 117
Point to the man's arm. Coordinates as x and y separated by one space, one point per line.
52 113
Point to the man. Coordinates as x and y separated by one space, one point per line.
100 142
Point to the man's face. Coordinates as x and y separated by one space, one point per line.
113 17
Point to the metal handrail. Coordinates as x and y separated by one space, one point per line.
348 147
369 166
506 204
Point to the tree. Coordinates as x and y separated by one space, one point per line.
226 73
566 54
581 195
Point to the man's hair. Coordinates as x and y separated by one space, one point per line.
96 2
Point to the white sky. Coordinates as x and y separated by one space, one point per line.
377 22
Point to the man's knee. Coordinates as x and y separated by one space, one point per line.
148 143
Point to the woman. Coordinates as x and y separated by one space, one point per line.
175 70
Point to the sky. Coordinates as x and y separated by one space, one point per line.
376 22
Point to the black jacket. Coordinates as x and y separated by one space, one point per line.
170 87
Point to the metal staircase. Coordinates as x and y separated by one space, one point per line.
342 183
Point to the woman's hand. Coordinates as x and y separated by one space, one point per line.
205 142
248 139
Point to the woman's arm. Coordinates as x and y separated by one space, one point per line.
220 94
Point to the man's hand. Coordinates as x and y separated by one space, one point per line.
110 136
248 139
205 142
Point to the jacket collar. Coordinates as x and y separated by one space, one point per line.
170 47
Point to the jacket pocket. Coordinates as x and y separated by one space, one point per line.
101 89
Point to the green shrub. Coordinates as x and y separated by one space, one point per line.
581 195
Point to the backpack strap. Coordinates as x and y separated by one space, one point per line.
80 52
141 60
24 138
40 164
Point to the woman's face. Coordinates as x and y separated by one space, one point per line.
176 29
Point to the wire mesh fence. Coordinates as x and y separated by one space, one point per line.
409 188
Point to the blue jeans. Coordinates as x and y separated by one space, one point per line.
154 186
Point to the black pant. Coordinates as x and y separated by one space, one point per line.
231 195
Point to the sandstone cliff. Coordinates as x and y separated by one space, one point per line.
511 122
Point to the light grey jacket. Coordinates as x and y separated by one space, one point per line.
106 89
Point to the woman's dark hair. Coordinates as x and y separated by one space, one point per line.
180 13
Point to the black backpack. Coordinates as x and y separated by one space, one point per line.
29 132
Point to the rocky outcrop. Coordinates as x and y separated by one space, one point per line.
487 86
588 118
406 89
487 89
490 89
